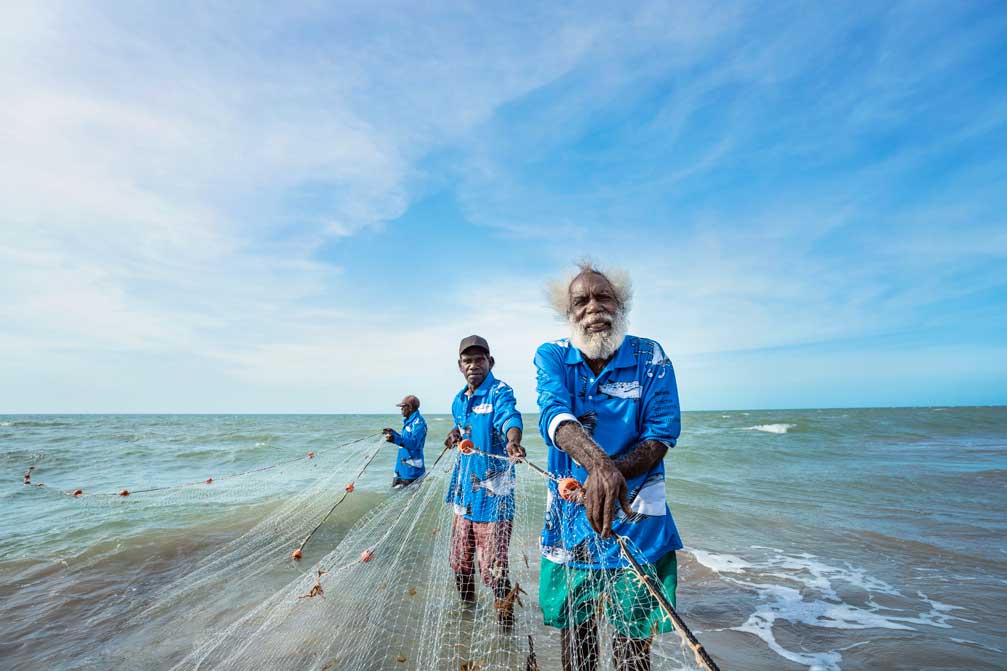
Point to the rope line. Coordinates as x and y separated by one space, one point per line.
349 488
77 493
368 554
702 656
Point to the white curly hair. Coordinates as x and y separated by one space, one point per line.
558 290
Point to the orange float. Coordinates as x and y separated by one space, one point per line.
350 487
296 554
466 446
78 492
124 492
311 455
209 480
367 555
570 490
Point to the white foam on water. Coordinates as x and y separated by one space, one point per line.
720 563
4 423
965 641
771 428
801 589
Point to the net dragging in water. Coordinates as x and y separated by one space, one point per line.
385 596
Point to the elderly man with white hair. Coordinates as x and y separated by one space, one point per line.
609 412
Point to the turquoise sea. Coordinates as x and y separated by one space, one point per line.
815 539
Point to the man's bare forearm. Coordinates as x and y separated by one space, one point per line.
573 439
641 458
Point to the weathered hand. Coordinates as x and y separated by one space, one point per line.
605 489
389 435
514 450
454 437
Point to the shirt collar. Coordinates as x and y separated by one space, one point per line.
411 417
625 356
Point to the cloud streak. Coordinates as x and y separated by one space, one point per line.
214 186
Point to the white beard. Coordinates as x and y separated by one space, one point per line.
603 344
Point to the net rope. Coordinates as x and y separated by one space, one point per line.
374 588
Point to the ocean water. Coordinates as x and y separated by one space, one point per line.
815 539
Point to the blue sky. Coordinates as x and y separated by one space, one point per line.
248 208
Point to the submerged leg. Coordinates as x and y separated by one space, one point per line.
631 654
579 647
462 557
466 584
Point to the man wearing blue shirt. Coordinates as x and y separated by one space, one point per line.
409 460
609 412
481 489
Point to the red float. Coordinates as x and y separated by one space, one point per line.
570 490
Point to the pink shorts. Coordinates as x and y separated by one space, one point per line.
489 541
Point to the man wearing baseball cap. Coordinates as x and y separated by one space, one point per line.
409 460
482 480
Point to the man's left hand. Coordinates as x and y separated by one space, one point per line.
389 435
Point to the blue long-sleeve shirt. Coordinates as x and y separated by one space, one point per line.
635 398
409 460
481 487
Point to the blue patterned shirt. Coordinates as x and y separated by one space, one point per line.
481 487
409 460
633 399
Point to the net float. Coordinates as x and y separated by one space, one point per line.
350 487
296 554
367 555
311 455
124 492
570 490
209 480
78 492
466 446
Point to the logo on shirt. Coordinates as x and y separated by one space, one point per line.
621 389
483 409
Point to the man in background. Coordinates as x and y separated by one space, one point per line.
409 460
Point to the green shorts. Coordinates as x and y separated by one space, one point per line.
571 596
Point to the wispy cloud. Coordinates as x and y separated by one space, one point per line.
213 186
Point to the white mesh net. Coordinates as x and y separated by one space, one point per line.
380 594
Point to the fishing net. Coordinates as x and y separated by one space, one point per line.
380 593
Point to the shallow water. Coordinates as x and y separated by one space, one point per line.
821 539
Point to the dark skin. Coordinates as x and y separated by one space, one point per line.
408 406
593 306
475 364
579 650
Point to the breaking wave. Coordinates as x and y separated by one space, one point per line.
771 428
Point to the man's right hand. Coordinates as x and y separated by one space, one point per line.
389 435
605 489
454 437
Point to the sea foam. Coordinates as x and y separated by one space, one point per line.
771 428
802 589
